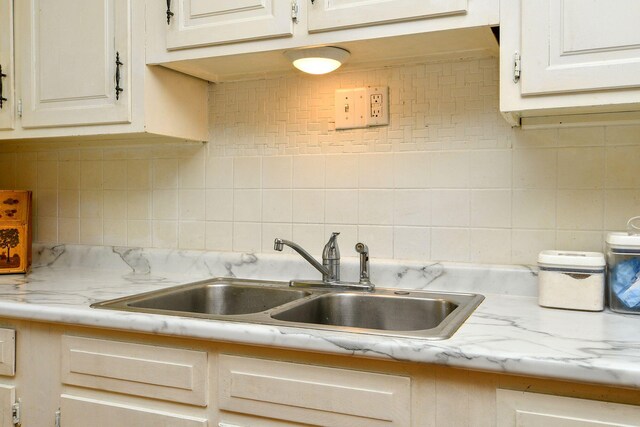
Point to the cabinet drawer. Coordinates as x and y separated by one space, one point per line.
164 373
522 409
7 352
313 394
75 411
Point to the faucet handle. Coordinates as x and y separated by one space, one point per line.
361 248
331 250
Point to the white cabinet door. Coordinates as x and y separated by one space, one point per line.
6 64
579 45
173 374
206 22
524 409
7 352
7 398
76 411
66 61
333 14
312 395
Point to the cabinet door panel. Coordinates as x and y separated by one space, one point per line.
6 62
333 14
578 45
7 398
166 373
75 411
206 22
314 395
8 350
524 409
68 61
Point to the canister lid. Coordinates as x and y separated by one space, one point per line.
571 259
621 240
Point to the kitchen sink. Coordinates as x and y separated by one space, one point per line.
383 311
387 313
219 299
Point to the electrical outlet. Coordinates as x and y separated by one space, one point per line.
375 103
377 99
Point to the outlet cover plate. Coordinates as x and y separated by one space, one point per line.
377 106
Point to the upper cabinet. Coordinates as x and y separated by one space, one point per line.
193 23
6 64
72 62
337 14
80 71
572 48
231 39
568 57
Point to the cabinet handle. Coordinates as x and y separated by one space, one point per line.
169 13
2 98
118 64
312 1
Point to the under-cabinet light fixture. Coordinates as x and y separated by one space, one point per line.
318 60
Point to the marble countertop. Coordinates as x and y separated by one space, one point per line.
507 333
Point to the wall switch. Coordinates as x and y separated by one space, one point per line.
377 106
350 108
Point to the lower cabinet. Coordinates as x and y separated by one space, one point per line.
315 395
80 412
7 399
73 376
172 374
156 372
523 409
7 372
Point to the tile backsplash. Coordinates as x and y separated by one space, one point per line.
448 179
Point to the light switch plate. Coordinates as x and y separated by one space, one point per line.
350 108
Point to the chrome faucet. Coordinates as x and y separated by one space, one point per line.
330 267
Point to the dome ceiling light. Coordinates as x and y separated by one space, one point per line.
318 60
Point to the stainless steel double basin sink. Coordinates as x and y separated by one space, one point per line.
388 312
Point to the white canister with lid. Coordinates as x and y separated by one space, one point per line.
571 279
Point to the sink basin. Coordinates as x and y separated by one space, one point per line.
371 311
388 312
222 297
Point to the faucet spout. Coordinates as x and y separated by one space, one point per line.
278 245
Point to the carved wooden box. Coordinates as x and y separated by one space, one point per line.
15 231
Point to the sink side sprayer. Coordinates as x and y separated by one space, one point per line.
330 267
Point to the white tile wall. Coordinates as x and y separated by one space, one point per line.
446 180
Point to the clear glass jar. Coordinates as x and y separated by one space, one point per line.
623 278
623 262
